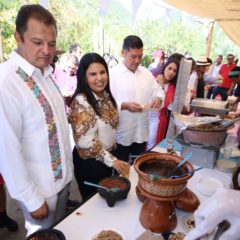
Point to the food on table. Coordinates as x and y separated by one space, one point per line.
108 235
46 236
205 126
160 168
177 236
189 222
111 183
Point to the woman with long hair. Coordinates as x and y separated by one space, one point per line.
168 81
94 119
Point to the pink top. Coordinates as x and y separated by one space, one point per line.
67 84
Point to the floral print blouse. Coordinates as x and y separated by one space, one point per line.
94 136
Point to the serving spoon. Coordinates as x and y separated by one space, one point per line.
180 164
186 174
113 189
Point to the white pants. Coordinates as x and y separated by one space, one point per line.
57 205
153 128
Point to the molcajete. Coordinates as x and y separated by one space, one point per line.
111 197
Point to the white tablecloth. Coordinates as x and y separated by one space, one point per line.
95 215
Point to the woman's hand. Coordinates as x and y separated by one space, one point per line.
122 167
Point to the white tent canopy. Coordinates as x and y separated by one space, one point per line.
225 12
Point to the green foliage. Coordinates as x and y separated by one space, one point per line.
222 44
79 21
75 22
146 61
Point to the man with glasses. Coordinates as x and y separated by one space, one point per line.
135 91
226 86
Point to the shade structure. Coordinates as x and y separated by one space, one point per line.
225 12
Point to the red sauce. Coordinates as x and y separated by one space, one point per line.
110 183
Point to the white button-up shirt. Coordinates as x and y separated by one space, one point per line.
139 87
25 160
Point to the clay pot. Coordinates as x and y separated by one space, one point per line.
155 164
235 178
160 192
139 194
214 137
47 234
157 214
187 201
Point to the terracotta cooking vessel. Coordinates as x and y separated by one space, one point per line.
155 164
212 137
160 192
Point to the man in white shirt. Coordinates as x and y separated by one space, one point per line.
211 76
135 91
35 152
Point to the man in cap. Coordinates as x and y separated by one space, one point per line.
234 75
202 65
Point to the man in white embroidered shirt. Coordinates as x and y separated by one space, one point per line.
136 92
35 155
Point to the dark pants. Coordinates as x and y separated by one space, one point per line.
222 91
90 170
123 152
210 92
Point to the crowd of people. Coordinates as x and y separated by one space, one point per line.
114 112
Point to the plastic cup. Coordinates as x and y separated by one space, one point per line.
227 151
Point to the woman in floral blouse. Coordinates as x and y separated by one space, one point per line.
94 119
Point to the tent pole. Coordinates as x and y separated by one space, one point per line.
209 40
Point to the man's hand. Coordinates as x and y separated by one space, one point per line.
131 106
156 103
40 213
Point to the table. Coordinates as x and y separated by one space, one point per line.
95 215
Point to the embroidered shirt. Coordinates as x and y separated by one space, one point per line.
94 136
139 87
25 158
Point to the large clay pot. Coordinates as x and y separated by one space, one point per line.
213 137
164 187
158 211
157 214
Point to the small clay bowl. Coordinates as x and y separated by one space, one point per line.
111 197
50 234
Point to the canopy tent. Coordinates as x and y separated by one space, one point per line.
225 12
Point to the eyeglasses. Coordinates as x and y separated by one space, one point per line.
230 58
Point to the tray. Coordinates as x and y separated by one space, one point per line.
210 111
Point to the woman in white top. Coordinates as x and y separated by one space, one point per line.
94 119
167 81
